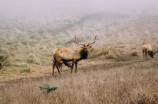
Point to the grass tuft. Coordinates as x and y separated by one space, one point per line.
110 56
135 54
27 70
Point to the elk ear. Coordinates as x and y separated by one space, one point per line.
90 47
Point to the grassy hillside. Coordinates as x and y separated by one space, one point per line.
28 42
122 83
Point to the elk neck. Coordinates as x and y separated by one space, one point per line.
151 53
84 53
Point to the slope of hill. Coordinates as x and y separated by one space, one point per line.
28 42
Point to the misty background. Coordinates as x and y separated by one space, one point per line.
73 7
31 29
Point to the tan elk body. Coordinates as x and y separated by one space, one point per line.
71 54
60 65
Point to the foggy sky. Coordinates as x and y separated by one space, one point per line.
46 7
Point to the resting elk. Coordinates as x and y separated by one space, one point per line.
147 50
71 54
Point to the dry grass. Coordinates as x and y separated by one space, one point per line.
28 44
119 85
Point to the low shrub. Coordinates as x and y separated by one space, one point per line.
135 53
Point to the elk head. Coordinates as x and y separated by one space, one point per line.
151 53
85 48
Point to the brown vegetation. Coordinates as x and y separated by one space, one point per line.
109 75
99 84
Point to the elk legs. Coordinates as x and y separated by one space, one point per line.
76 67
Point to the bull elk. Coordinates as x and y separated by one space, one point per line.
147 50
71 54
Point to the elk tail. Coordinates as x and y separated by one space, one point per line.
67 64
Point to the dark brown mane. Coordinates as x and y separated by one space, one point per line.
151 53
84 53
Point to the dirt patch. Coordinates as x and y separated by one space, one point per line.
122 61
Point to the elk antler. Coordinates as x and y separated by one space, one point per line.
77 42
93 42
